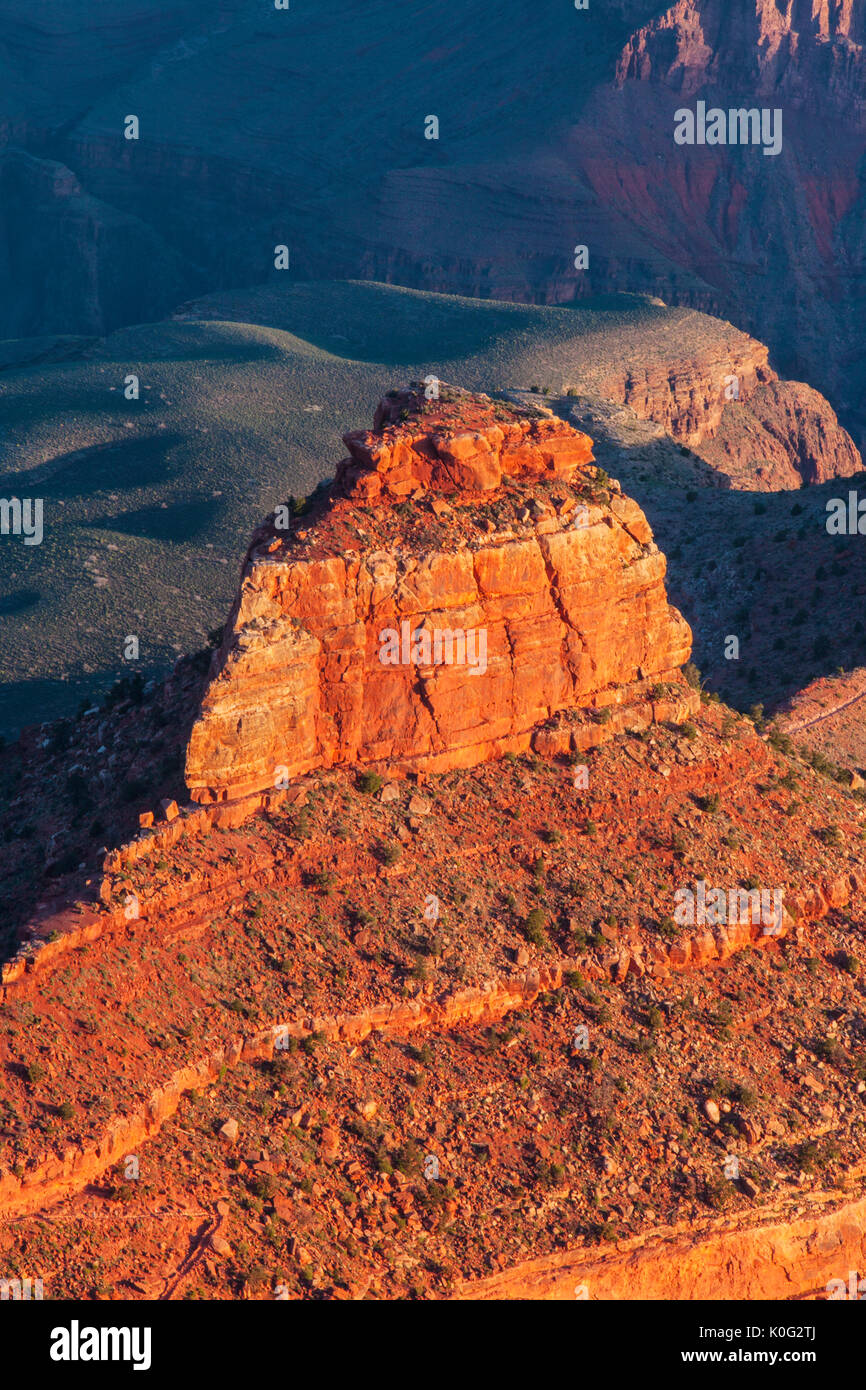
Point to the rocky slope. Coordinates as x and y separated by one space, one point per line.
281 1038
250 1026
826 716
785 436
452 516
698 378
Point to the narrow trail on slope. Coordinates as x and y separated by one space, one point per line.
789 1251
828 714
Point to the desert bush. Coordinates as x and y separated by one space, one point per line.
409 1159
830 1050
534 927
848 963
692 675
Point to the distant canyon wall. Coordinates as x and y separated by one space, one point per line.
778 246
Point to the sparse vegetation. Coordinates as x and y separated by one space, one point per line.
534 927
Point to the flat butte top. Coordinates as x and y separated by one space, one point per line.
447 472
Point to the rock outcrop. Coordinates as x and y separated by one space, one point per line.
684 391
729 406
784 436
797 1254
467 576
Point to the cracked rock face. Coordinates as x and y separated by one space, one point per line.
468 575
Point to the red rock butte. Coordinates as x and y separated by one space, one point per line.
460 515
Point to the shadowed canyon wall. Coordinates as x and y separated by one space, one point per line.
557 130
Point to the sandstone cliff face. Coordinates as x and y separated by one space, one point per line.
686 393
783 436
466 577
806 53
775 435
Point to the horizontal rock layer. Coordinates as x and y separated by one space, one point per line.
729 406
796 1254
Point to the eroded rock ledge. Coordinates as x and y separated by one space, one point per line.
460 515
791 1256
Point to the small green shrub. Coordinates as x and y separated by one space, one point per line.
692 675
534 927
